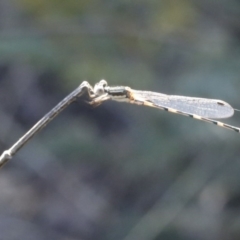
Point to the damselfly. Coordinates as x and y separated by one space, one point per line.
198 108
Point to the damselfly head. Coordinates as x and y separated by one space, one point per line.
99 88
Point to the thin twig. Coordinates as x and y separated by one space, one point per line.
8 154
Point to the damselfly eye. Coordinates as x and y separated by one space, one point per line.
103 83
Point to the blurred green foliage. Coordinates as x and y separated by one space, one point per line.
119 171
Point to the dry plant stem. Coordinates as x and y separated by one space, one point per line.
8 154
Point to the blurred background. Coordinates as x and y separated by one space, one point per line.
119 171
